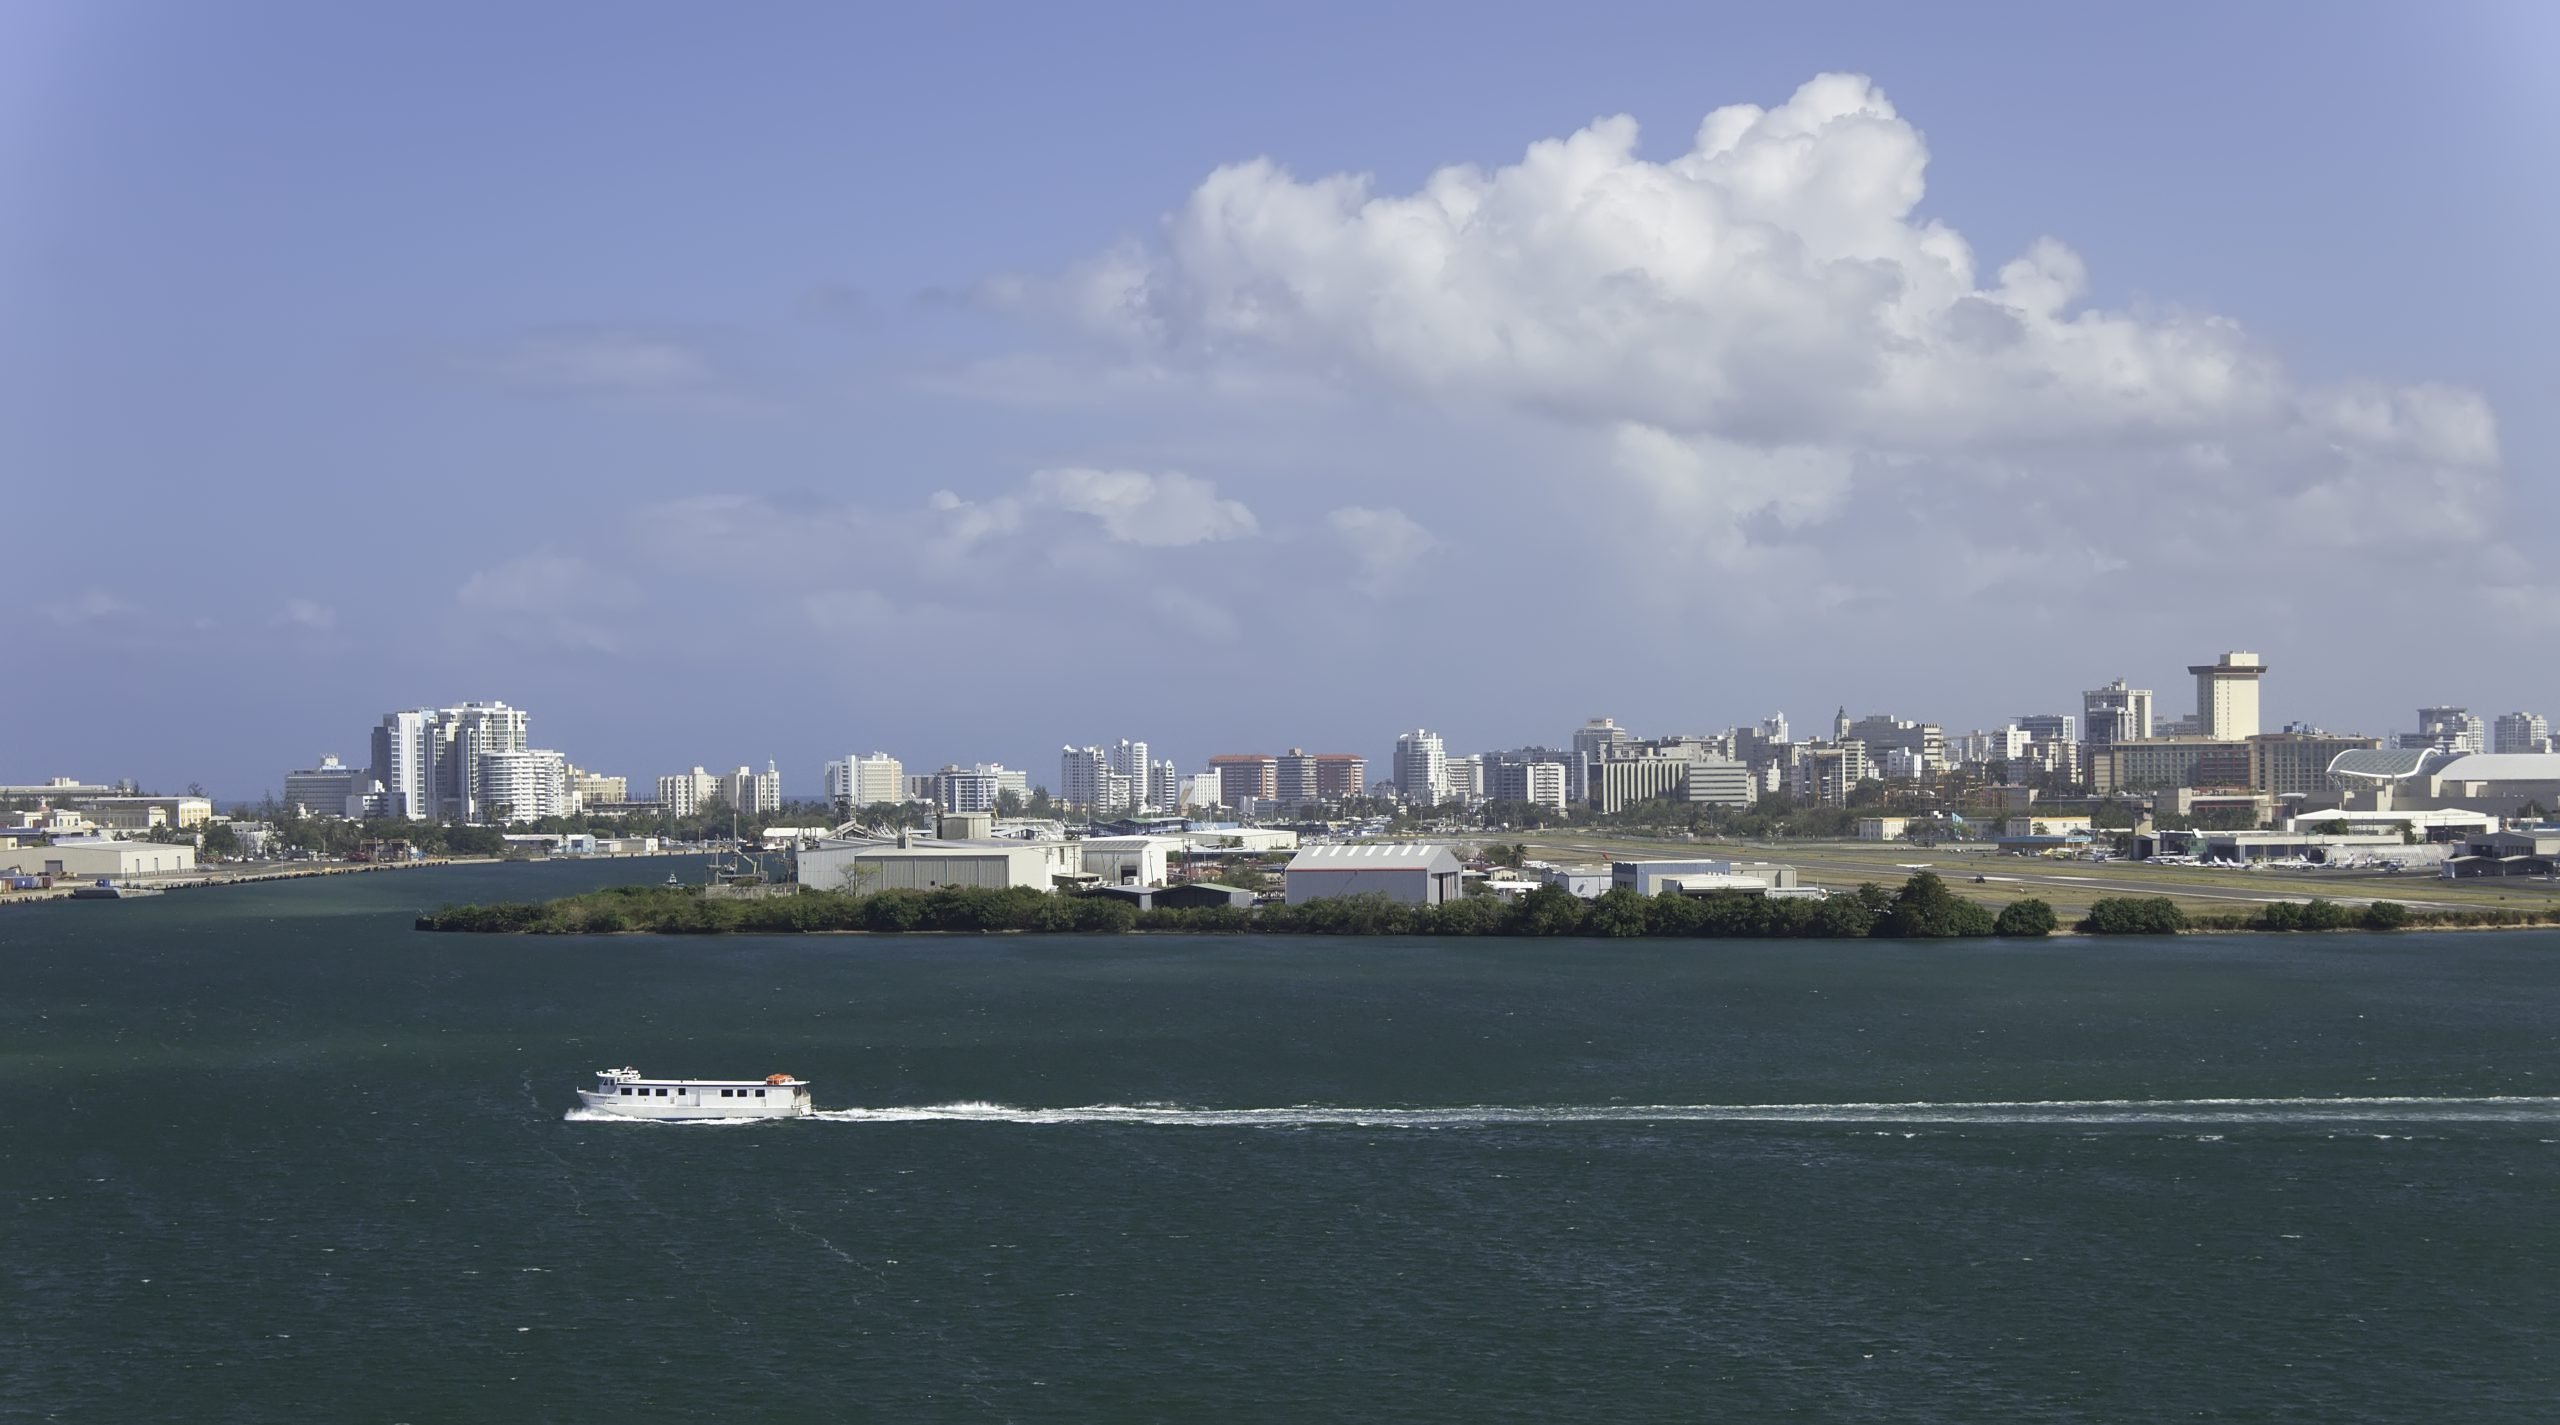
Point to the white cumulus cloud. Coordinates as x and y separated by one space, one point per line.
1138 508
1757 329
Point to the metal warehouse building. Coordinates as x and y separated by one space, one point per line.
1412 873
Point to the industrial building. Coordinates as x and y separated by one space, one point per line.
920 864
1409 873
2506 853
99 857
1131 860
1653 878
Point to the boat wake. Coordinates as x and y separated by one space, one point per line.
2281 1112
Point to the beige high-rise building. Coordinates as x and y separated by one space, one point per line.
2227 696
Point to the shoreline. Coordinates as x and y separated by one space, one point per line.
206 878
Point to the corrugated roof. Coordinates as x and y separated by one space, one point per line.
2503 767
2384 763
1378 856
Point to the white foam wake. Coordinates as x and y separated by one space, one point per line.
2061 1112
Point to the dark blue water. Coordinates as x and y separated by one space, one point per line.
268 1154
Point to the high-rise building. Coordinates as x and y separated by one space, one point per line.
1591 744
1084 779
1164 787
594 789
323 790
1294 782
2521 732
404 763
857 782
1422 767
2452 729
753 792
2115 713
1246 777
2227 696
1341 776
1465 778
1510 779
523 784
686 793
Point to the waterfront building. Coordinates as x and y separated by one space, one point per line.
523 784
1410 873
323 790
751 792
593 789
687 793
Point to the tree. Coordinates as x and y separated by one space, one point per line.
219 841
1009 803
1620 911
1924 908
1550 910
2028 917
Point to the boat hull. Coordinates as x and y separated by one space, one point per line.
698 1101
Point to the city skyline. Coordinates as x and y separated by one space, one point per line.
437 756
1897 361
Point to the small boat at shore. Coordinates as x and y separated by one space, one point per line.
625 1093
106 890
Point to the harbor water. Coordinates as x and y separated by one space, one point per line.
270 1154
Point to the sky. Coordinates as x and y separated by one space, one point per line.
726 386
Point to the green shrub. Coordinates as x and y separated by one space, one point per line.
2385 915
2025 918
2134 915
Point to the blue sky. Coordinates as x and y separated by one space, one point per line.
726 386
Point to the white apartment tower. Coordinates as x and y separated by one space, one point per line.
1422 767
687 792
1084 778
2227 696
857 782
527 784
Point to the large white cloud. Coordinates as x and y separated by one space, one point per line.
1753 327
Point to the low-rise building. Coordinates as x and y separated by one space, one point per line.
1131 860
1409 873
1882 828
87 857
917 864
2505 853
1653 878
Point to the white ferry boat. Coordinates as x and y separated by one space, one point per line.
623 1091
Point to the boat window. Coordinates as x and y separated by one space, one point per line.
662 1093
759 1093
626 1092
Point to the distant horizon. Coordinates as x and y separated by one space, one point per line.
1294 375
